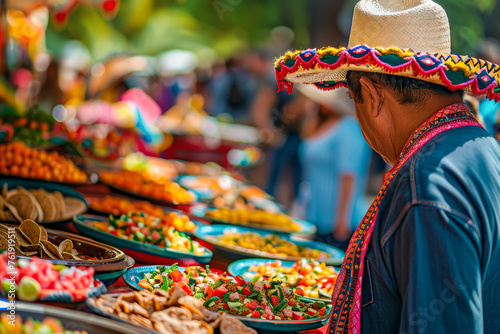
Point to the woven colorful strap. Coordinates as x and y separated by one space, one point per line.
346 297
455 72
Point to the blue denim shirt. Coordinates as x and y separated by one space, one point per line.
433 262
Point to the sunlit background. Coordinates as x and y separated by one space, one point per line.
184 79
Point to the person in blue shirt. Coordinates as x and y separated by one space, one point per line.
425 257
335 182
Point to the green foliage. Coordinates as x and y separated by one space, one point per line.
466 22
226 26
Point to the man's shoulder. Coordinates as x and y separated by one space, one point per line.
459 152
457 168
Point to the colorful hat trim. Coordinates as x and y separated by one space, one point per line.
453 71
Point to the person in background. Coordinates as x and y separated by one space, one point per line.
488 109
232 91
278 118
335 159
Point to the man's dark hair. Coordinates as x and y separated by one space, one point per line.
406 90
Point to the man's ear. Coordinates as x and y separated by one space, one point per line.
370 93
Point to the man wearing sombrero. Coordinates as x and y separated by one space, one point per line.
426 257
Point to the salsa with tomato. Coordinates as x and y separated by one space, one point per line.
141 227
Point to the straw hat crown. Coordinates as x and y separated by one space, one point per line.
420 25
408 38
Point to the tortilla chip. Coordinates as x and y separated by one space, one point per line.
73 206
24 240
19 251
37 248
59 202
4 243
65 246
5 234
46 254
25 204
69 256
43 236
32 230
31 253
12 214
51 249
56 205
47 205
39 210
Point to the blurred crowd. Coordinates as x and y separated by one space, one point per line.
317 162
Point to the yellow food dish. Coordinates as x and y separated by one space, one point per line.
270 243
278 220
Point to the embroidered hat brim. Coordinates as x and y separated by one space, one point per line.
327 68
401 37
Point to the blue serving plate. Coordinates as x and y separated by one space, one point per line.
211 233
286 326
242 266
49 187
85 223
109 278
306 228
134 275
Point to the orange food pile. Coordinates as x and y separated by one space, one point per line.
120 206
134 182
17 159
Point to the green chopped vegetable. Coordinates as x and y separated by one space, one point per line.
280 292
165 286
112 221
233 304
210 300
281 305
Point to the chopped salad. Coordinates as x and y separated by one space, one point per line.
219 292
306 275
141 227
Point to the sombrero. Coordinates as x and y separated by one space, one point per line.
401 37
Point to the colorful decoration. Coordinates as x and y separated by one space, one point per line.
322 67
27 30
64 8
105 131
